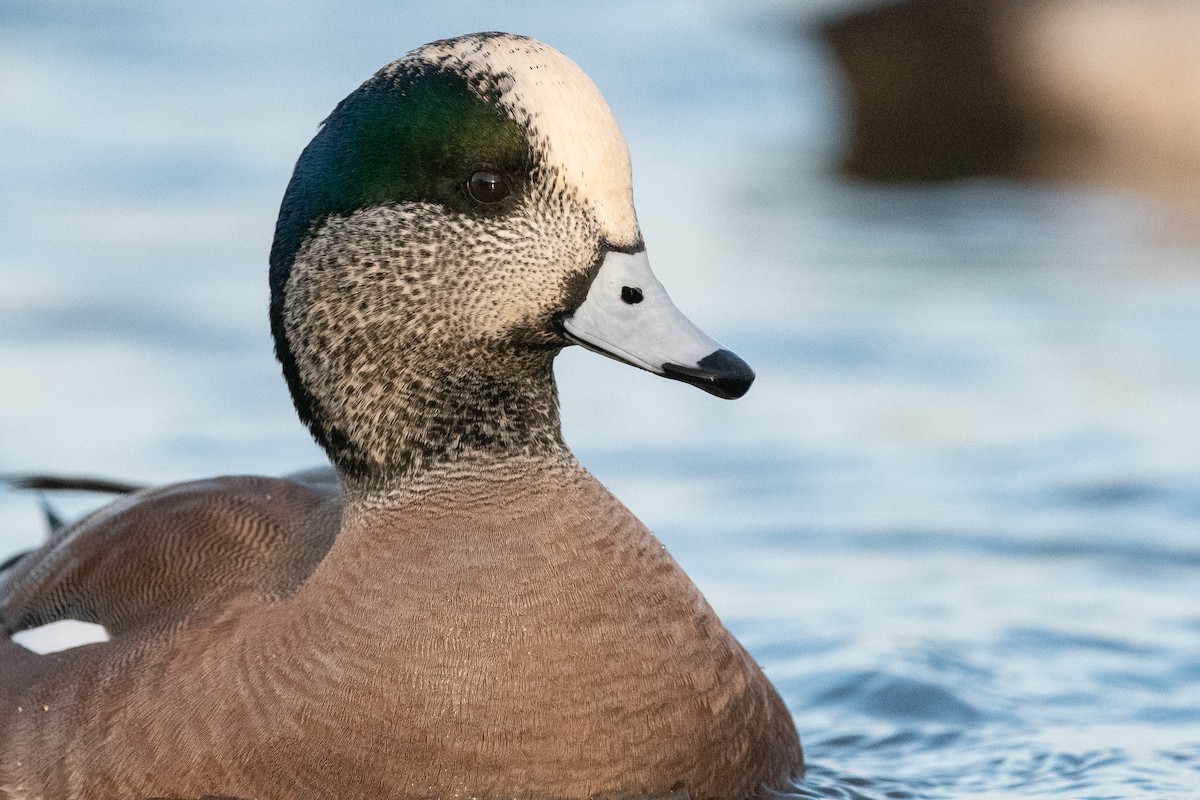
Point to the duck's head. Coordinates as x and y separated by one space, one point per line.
458 219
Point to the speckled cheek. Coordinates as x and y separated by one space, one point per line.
516 271
392 279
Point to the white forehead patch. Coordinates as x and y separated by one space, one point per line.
65 634
569 118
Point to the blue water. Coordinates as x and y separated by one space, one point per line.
958 517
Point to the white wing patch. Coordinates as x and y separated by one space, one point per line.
54 637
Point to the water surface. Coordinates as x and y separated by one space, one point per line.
958 517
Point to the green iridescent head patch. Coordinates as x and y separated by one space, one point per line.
413 135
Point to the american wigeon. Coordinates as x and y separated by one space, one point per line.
463 610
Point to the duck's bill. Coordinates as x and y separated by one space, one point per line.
628 316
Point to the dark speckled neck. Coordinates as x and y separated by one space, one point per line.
462 414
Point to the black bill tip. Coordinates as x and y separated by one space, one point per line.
721 373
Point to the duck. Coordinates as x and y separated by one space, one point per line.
454 606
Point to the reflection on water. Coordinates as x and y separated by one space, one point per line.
955 518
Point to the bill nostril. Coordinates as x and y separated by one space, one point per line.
631 295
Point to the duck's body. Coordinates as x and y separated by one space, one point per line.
466 611
511 629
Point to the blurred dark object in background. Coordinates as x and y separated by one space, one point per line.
927 93
1086 91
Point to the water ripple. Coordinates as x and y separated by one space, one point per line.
899 699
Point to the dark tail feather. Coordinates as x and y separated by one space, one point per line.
67 483
11 561
58 483
54 520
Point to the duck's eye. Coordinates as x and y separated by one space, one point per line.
631 295
487 187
